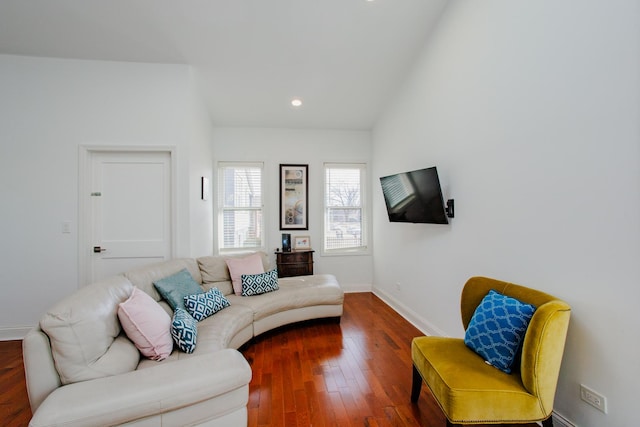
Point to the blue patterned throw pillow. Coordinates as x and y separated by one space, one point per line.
184 330
202 305
497 328
175 287
256 284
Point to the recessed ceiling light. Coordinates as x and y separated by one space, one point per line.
296 102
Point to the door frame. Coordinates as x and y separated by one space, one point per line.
85 156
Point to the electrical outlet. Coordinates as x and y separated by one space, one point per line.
593 398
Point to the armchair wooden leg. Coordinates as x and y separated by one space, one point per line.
548 422
416 384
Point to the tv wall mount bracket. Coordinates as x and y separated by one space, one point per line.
450 211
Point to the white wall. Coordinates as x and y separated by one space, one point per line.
297 146
531 112
48 108
200 139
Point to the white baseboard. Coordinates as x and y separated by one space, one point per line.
561 421
14 333
355 288
410 316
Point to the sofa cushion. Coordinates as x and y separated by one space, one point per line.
497 328
202 305
293 292
147 325
177 286
84 332
184 330
143 277
256 284
215 333
251 264
215 272
218 331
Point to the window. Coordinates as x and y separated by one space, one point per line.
344 208
240 219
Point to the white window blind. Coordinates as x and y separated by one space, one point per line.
345 229
240 205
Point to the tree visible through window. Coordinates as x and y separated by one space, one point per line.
344 213
240 206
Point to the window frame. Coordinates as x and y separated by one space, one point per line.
221 209
365 247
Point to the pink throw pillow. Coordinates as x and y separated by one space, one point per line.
146 324
251 264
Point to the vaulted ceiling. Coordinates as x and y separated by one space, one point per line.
343 58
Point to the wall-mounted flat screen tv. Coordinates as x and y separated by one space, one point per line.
415 197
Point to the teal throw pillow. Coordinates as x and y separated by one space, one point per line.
497 328
202 305
256 284
184 330
177 286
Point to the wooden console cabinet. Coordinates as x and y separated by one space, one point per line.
294 263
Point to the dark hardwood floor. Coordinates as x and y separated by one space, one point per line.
320 373
14 403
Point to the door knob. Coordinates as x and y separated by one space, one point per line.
98 249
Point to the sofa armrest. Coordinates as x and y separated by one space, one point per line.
138 394
40 371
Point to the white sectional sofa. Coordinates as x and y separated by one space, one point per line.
82 370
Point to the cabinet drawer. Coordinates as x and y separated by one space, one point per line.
294 257
294 270
294 263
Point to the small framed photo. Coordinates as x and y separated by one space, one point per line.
301 243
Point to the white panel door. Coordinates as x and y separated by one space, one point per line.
130 211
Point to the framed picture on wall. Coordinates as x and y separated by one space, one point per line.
294 198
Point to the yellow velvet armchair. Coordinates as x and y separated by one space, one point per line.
470 391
